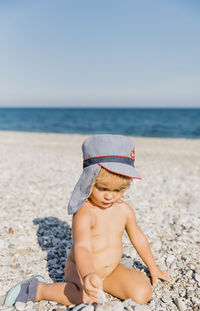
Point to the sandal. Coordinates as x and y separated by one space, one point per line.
24 291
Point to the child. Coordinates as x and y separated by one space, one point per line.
99 219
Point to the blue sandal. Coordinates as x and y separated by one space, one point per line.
24 291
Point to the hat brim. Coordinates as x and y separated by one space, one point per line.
121 169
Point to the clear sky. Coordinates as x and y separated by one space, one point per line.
96 53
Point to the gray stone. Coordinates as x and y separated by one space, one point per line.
197 277
180 304
166 299
170 259
2 298
157 245
195 301
189 273
197 270
20 306
31 303
53 261
190 293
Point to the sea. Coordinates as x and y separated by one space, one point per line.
143 122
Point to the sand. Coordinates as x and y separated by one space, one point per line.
38 173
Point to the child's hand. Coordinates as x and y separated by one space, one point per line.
92 283
156 273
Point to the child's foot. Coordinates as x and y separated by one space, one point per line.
24 291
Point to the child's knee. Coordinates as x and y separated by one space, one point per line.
143 294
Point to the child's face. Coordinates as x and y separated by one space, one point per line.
107 192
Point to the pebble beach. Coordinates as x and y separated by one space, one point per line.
38 174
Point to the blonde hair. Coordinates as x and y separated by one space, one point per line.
125 180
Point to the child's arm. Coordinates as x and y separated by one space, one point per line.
83 253
141 244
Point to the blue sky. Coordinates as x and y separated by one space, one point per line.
135 53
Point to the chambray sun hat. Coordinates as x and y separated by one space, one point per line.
115 153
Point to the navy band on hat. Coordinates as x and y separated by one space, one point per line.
101 159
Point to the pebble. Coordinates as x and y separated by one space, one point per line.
2 298
190 293
197 277
180 304
170 259
20 306
166 299
197 270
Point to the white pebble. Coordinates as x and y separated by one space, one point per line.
166 299
170 259
20 306
180 304
197 277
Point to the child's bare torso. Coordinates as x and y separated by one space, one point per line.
106 236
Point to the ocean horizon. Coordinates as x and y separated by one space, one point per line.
144 122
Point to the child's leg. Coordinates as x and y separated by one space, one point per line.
127 283
63 293
66 293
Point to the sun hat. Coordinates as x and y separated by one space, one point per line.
115 153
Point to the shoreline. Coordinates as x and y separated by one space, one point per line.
82 134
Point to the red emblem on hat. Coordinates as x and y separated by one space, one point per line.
132 154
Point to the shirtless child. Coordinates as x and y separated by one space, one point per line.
100 217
